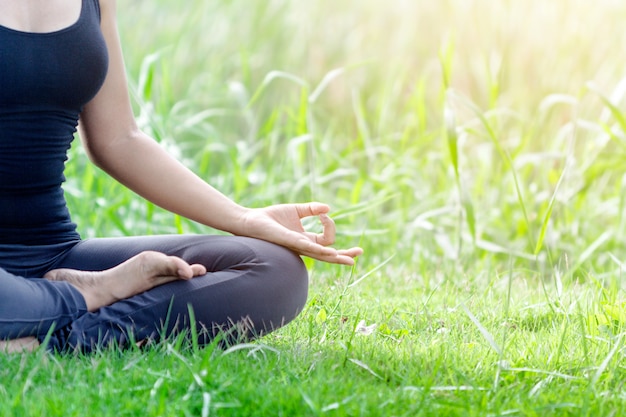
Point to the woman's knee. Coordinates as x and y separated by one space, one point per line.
279 273
276 284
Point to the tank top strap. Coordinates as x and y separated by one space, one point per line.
96 6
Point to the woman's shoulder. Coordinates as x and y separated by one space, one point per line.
106 5
106 8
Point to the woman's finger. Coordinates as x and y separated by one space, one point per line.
336 259
326 254
311 209
305 244
352 252
327 237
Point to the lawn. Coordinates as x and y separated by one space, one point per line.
475 149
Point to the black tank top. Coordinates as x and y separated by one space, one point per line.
45 80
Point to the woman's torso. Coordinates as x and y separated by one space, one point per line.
45 80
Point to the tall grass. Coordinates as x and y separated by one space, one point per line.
475 149
343 102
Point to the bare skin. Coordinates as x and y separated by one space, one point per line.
101 288
24 344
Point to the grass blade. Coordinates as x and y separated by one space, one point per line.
548 215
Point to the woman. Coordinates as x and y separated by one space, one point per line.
61 66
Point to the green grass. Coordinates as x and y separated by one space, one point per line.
474 149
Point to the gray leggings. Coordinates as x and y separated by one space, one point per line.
251 288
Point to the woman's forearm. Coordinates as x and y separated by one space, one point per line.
143 165
146 168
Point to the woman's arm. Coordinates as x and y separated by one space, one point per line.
115 143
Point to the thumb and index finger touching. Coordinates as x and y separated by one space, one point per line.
327 237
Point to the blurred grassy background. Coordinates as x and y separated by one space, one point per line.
343 102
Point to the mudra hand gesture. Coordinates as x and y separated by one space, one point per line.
282 224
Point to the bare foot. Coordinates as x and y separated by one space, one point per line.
24 344
136 275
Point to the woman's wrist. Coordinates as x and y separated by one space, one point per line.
230 219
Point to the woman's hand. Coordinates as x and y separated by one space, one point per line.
282 224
